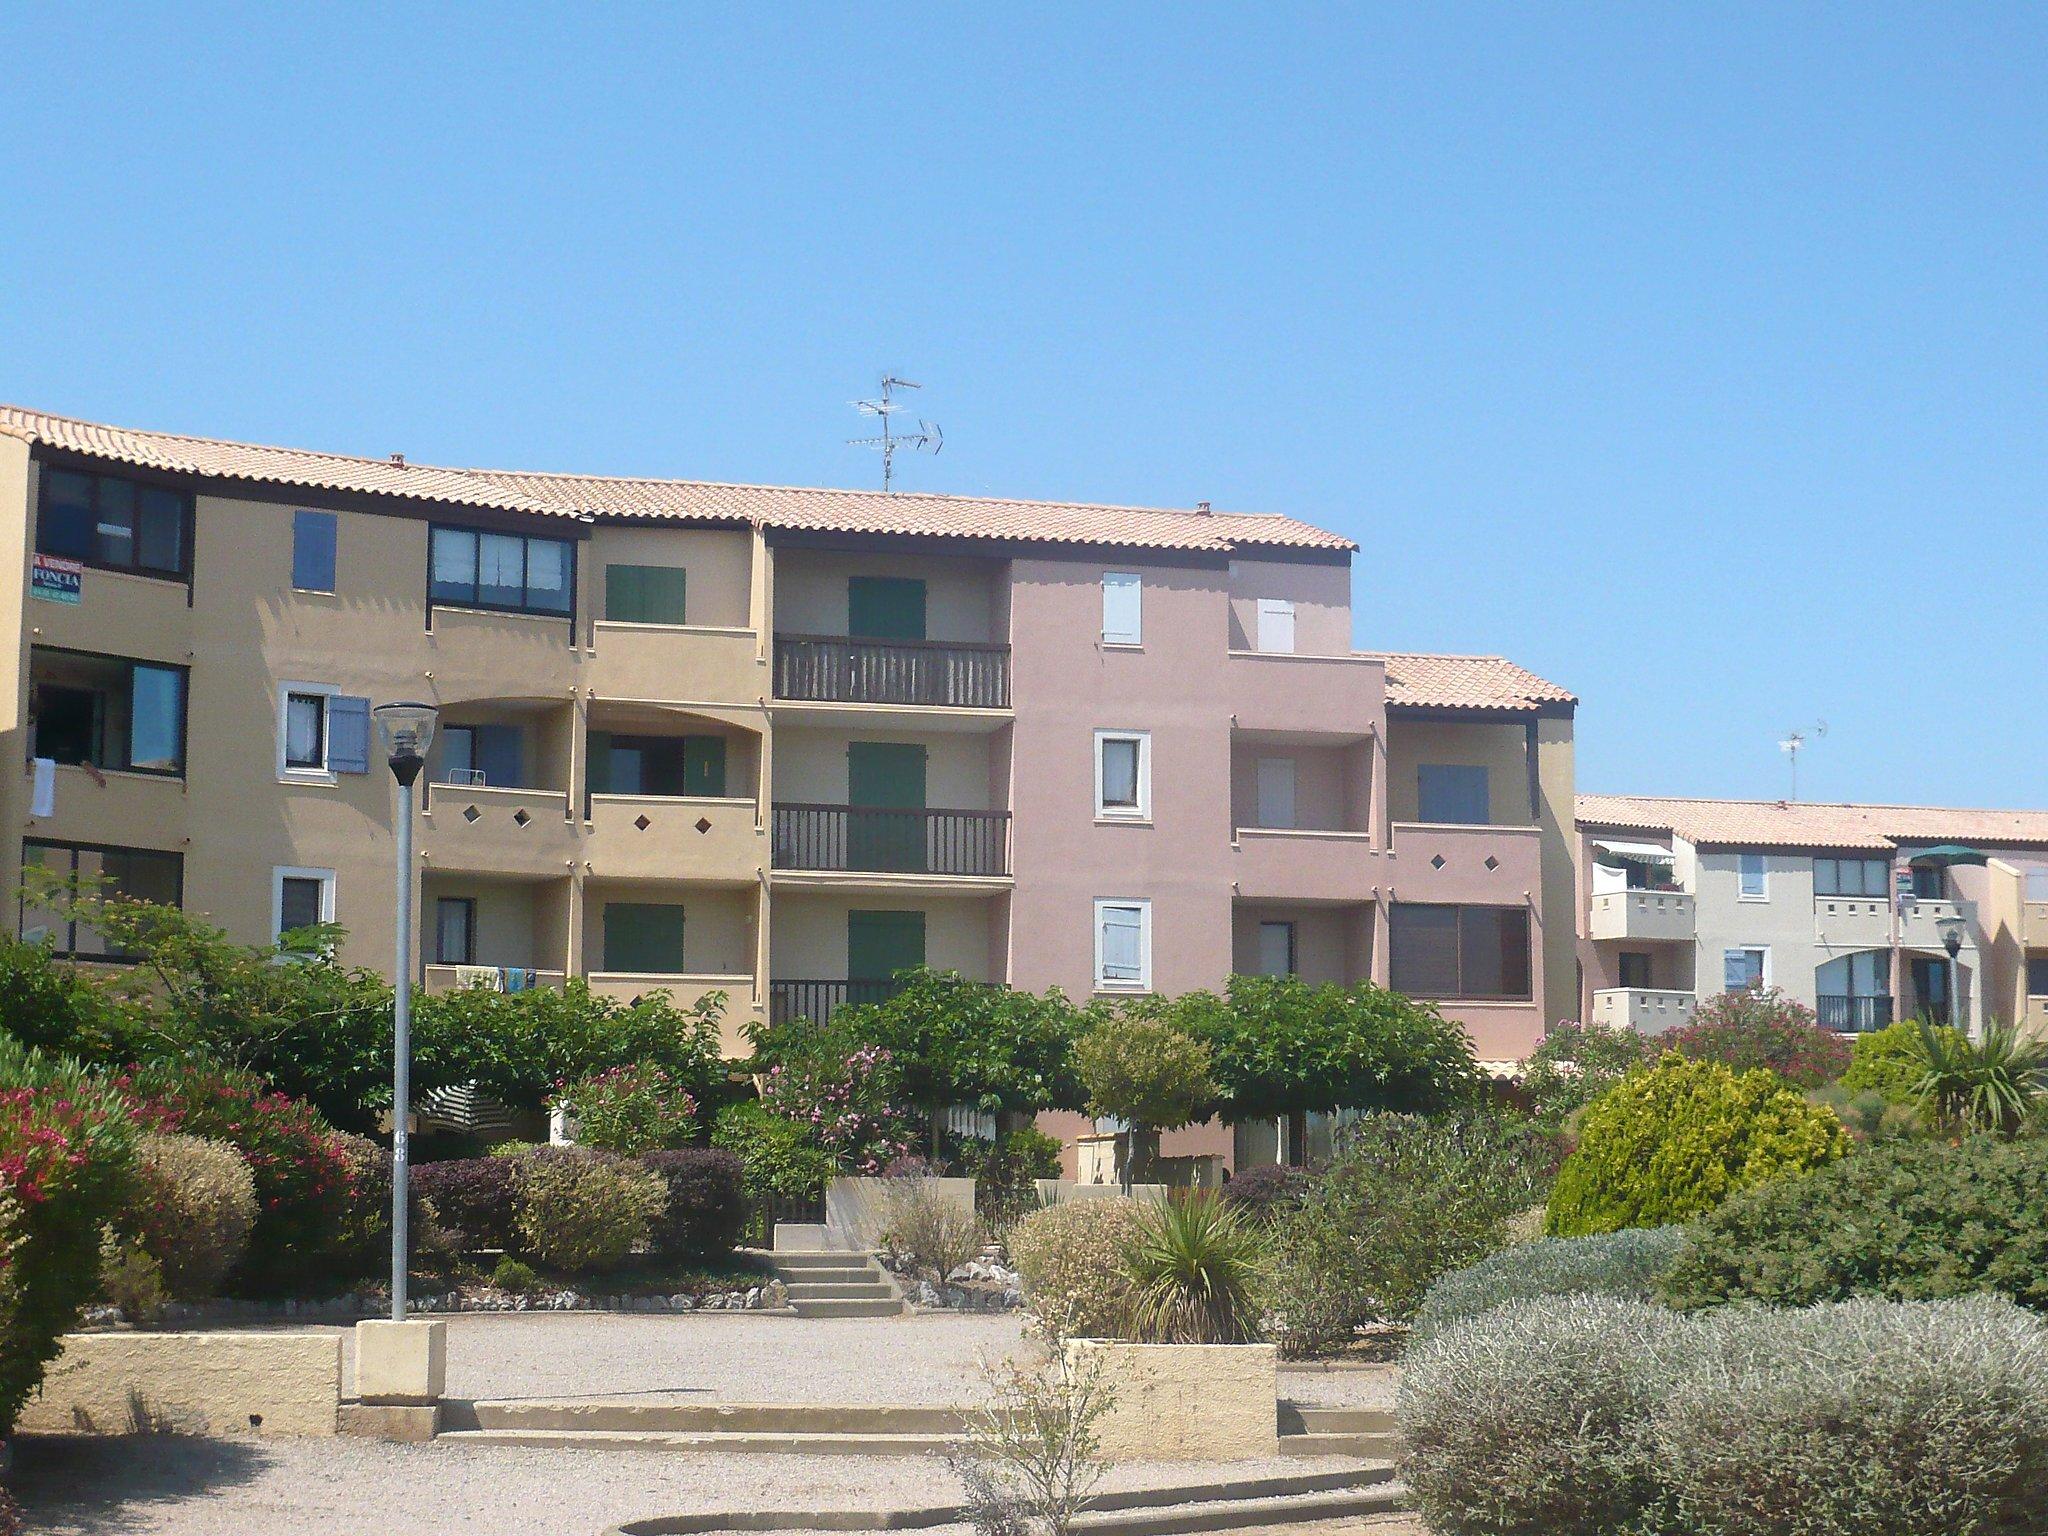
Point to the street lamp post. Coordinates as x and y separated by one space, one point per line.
408 730
1951 929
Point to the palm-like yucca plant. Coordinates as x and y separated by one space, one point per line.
1193 1265
1991 1084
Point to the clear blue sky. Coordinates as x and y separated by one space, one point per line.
1692 356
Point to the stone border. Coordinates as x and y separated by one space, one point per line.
355 1306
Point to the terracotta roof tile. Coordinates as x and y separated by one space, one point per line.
606 498
1811 824
1422 681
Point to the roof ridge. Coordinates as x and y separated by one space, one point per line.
1816 805
386 462
1444 656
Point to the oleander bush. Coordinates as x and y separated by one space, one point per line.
475 1199
1630 1263
1748 1030
706 1211
1594 1415
1070 1257
1672 1141
1405 1200
193 1210
1910 1221
580 1209
632 1109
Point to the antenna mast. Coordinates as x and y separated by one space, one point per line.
1791 745
927 438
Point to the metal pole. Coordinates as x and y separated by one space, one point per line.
401 1056
1955 992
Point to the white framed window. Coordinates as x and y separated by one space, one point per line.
1276 949
1747 969
1276 626
1123 775
300 897
1123 618
1752 884
1276 791
302 734
1123 944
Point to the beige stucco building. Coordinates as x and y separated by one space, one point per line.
1841 906
767 742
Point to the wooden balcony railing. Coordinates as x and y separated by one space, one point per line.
946 674
815 1001
1854 1015
857 838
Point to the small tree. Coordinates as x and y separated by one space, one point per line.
1576 1063
1032 1453
1148 1074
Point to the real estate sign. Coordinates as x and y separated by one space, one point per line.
55 580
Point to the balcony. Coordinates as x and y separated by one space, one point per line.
113 807
815 1001
1919 924
860 840
1647 915
1646 1010
480 654
937 674
674 837
1482 865
1286 864
1853 1015
476 829
1269 692
675 663
452 978
2036 920
1853 922
686 990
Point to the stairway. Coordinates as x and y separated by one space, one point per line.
842 1284
1367 1433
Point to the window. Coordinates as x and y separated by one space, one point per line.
1634 967
1275 790
143 874
313 551
455 930
107 711
117 524
321 732
1123 945
643 937
2037 975
300 898
1460 952
1851 877
1276 626
508 572
1928 884
493 755
657 765
1742 970
1749 873
1453 793
1122 608
1276 949
1123 774
644 594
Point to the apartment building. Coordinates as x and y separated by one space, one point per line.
1845 907
774 743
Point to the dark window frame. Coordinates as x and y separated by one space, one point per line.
476 603
332 523
186 523
69 951
468 956
1459 992
129 664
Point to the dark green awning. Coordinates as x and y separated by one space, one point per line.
1949 853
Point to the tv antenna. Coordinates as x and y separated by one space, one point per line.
1791 745
927 438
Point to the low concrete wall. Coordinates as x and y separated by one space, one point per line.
858 1209
190 1383
1186 1402
1059 1191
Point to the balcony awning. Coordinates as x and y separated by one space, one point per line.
1946 854
1638 853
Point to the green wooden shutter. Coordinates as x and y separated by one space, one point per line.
600 767
644 594
879 944
704 765
885 607
885 777
643 937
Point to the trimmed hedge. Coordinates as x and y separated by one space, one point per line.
1593 1415
582 1210
1672 1141
194 1209
1912 1221
474 1199
707 1201
1629 1263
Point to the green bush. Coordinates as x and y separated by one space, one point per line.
1590 1416
1576 1063
706 1213
1911 1221
1748 1030
514 1276
1890 1062
777 1155
130 1278
1629 1264
1671 1141
193 1211
1071 1259
632 1109
1405 1200
582 1210
66 1163
1193 1265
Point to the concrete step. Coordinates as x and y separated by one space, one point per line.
1298 1419
840 1290
702 1418
821 1258
765 1443
885 1306
1364 1447
1246 1514
820 1275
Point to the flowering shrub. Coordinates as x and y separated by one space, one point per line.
1746 1030
303 1187
581 1210
66 1161
848 1104
777 1156
630 1110
193 1211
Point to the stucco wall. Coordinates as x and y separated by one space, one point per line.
718 560
1185 1402
961 596
1330 783
190 1383
1319 589
811 765
1501 749
718 924
807 939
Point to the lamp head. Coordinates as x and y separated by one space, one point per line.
408 730
1951 930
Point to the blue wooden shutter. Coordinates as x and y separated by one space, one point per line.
348 734
499 752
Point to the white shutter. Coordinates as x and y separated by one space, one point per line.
1122 604
1276 626
1276 791
1120 941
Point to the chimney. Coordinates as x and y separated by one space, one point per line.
398 459
1201 509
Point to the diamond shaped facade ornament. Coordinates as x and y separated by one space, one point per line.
1437 862
521 817
703 823
1492 863
642 823
470 813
